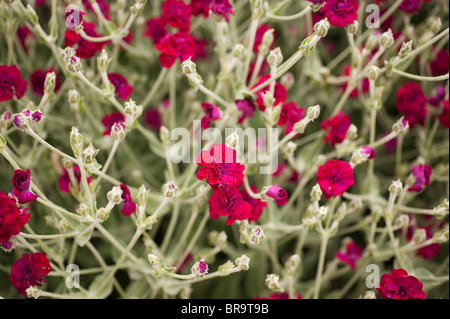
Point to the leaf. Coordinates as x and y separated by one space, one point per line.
101 287
85 235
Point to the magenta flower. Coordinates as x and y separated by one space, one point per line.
12 218
280 93
200 7
228 202
340 12
219 168
64 182
153 119
11 83
422 175
334 178
410 6
290 114
21 187
84 49
246 107
109 120
129 207
278 194
212 113
440 65
368 152
263 28
37 80
121 86
177 14
178 45
399 285
155 30
431 250
336 127
351 254
29 271
223 8
412 103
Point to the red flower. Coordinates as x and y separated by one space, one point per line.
440 65
109 120
422 175
351 255
410 6
280 93
177 14
246 107
257 204
223 8
259 36
85 49
336 127
340 12
12 218
120 83
153 119
212 113
23 33
278 194
431 250
155 30
368 152
399 285
200 7
11 83
64 182
37 80
364 85
438 97
290 114
444 116
228 202
39 2
334 178
29 271
412 102
178 45
219 167
21 187
129 207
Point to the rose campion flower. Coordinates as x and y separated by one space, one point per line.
177 14
24 35
212 113
410 6
444 116
129 207
228 202
399 285
334 178
64 182
412 103
155 30
222 8
246 107
178 45
257 204
340 12
200 7
280 93
278 194
290 114
109 120
29 271
336 127
11 83
21 187
153 119
39 2
102 4
351 254
368 152
219 168
440 65
12 218
121 86
431 250
84 49
422 175
37 80
439 96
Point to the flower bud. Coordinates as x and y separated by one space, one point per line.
153 259
292 264
238 51
400 127
189 67
256 235
321 28
316 193
419 236
83 210
289 149
226 268
373 73
218 239
313 112
103 62
258 8
143 195
275 57
405 50
369 295
118 132
115 195
33 292
272 281
74 64
266 42
76 141
341 212
321 213
387 39
2 143
199 269
396 188
435 24
300 126
401 222
287 80
49 84
353 27
170 189
268 99
372 41
442 210
89 153
441 236
103 214
232 141
243 262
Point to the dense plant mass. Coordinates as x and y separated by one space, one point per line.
290 149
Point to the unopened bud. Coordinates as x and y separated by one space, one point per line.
401 126
218 239
189 67
292 263
396 188
300 126
372 41
118 132
103 62
441 236
289 149
50 82
89 153
256 235
272 281
387 39
115 195
353 27
143 195
33 292
321 28
74 64
153 259
401 222
199 269
287 80
316 193
170 189
419 236
32 15
373 73
313 112
321 213
238 51
275 57
243 262
76 141
405 50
